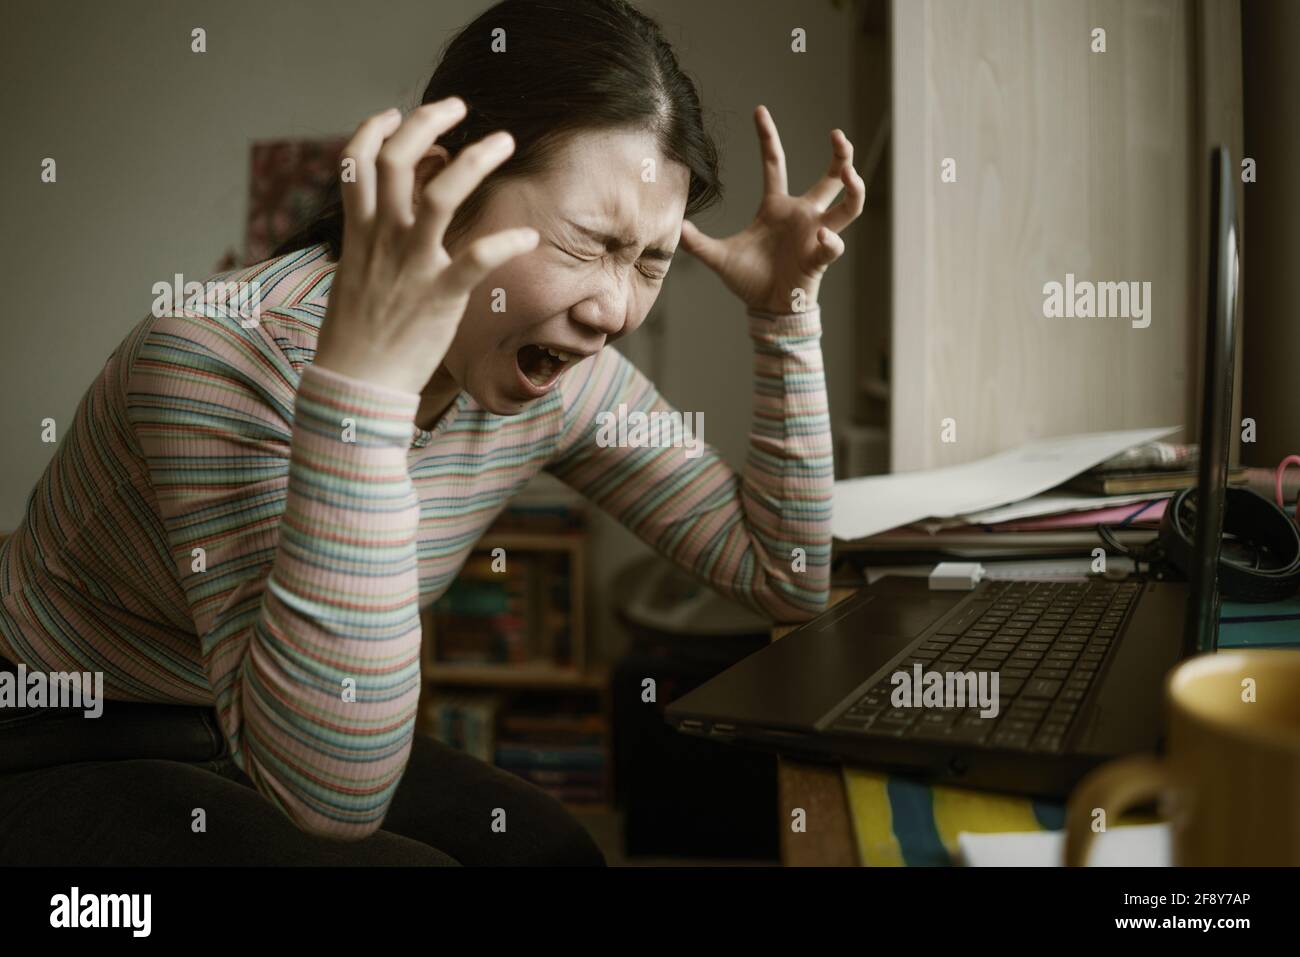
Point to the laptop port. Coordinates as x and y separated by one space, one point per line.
726 729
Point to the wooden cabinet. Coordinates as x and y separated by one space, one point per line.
1019 154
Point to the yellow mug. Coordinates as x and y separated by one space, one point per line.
1229 782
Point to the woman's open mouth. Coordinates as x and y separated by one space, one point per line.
540 367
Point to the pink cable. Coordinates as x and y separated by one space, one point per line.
1281 502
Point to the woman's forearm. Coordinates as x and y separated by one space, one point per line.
788 477
324 692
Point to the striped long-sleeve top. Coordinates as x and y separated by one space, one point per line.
206 533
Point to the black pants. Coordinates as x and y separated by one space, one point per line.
72 792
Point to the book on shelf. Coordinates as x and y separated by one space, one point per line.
512 614
466 722
556 741
512 755
1142 480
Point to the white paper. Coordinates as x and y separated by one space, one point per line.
1052 502
877 503
1135 845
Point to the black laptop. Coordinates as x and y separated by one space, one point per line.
1080 665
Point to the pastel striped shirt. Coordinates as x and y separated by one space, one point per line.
205 534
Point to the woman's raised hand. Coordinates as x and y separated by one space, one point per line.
398 297
776 263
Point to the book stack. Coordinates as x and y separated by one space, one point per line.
1151 467
521 614
557 747
483 617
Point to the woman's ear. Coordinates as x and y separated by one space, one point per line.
433 162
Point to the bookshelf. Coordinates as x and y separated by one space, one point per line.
506 665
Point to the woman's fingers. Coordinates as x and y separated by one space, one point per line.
401 151
828 187
830 247
850 207
453 185
774 178
473 263
358 177
703 247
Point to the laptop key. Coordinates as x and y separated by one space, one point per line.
1009 739
940 717
862 709
1009 686
968 615
932 726
1041 688
1019 725
855 720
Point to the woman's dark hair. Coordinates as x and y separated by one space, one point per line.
568 66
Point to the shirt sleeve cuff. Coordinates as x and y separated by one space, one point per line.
769 327
335 405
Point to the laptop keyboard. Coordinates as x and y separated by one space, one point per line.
1047 642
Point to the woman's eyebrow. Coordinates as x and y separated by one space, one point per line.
615 242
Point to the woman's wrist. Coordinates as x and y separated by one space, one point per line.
794 298
375 370
784 308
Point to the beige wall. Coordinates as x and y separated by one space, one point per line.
152 149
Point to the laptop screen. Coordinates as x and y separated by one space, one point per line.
1202 620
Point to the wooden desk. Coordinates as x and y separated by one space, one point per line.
819 790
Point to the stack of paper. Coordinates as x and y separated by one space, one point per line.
1005 504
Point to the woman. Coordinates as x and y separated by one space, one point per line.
246 517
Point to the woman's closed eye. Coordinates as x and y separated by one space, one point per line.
653 273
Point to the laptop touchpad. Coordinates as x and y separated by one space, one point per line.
890 617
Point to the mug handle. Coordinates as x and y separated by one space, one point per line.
1115 787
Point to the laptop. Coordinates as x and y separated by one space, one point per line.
1080 665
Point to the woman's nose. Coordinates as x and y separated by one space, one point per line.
605 310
